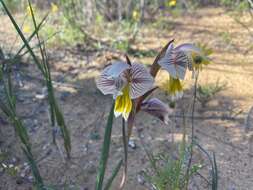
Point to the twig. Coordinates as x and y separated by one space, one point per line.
222 141
206 117
203 177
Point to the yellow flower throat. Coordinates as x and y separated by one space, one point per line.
123 103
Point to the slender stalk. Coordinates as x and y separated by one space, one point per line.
125 145
192 126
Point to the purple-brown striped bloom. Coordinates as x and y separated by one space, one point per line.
197 56
156 108
175 62
125 82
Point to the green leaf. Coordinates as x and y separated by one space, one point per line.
105 150
64 129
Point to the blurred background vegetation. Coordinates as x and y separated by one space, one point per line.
90 22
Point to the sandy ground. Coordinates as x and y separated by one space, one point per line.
86 110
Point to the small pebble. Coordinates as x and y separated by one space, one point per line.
132 144
14 160
85 148
11 166
154 122
45 146
91 169
231 188
140 179
40 96
64 95
43 94
30 178
19 181
4 165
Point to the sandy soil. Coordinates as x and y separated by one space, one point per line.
86 110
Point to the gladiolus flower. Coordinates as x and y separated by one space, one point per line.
197 56
175 62
29 10
156 108
136 15
54 8
125 82
172 3
27 29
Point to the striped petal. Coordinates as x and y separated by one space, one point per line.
109 85
115 69
110 81
156 108
175 62
187 47
140 80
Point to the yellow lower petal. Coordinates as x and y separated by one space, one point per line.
123 104
175 85
174 88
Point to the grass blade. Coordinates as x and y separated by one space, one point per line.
9 109
22 37
44 68
54 108
40 25
64 129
